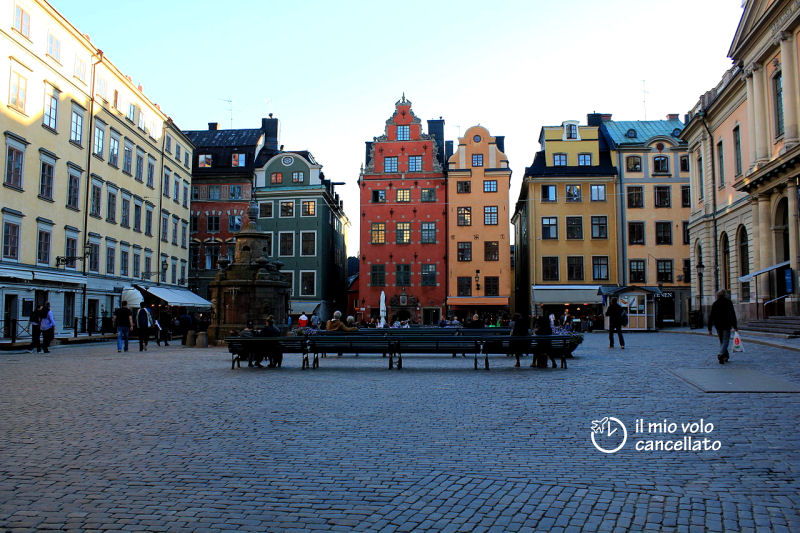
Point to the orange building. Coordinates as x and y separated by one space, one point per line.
478 246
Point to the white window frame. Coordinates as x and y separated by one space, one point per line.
50 113
293 243
314 232
72 234
280 208
44 228
602 187
300 282
76 134
16 220
99 138
21 147
291 286
301 207
266 202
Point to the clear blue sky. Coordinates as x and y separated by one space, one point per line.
331 71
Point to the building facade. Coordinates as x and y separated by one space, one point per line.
306 230
478 247
96 177
565 222
743 141
653 167
404 230
223 171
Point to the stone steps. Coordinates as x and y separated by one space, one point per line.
786 326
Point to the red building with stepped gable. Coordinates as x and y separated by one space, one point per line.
404 221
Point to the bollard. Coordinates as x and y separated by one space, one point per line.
75 328
13 327
190 338
202 339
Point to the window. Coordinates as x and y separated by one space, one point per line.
276 178
235 192
600 267
660 164
377 275
165 227
402 275
131 112
127 159
491 286
177 151
148 221
43 248
212 223
684 163
633 163
142 120
491 251
464 284
637 272
176 189
777 88
574 193
111 207
635 232
19 91
559 160
185 194
737 151
194 220
635 197
50 116
662 195
664 270
308 283
308 208
549 228
237 160
378 233
598 193
428 195
139 173
663 232
94 257
721 163
599 227
463 186
99 138
137 217
428 274
287 208
574 228
308 243
111 255
213 192
54 47
113 150
168 144
123 263
10 240
403 195
548 193
685 224
265 210
379 196
76 126
204 161
490 215
415 163
46 180
464 216
286 244
428 233
96 197
390 164
464 251
402 133
575 268
477 160
403 233
700 178
685 196
80 69
73 191
71 249
549 268
585 160
572 131
234 223
22 21
137 261
490 186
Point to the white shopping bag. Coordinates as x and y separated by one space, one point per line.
737 342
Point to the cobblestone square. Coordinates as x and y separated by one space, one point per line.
174 440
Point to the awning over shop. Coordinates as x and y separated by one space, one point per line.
478 300
58 276
748 277
132 296
304 306
14 273
615 290
178 297
566 294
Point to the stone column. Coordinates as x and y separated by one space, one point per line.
765 245
789 77
759 113
751 125
792 302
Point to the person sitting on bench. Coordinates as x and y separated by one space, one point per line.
336 324
275 355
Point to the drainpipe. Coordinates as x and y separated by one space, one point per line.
160 205
702 115
622 269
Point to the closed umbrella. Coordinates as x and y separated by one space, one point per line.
383 310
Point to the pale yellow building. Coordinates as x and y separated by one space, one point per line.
96 177
479 273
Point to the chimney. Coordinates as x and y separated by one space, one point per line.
270 128
596 119
212 126
500 141
672 116
436 130
605 117
448 150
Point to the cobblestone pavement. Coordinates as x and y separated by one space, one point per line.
174 440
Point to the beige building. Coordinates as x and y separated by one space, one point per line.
479 273
96 177
743 141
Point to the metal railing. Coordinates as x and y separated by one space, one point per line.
20 328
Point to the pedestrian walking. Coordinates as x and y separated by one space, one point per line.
723 317
123 320
36 330
48 327
164 324
144 321
519 329
615 314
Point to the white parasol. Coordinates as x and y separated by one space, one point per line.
383 310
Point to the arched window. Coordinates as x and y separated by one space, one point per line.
633 163
726 262
744 263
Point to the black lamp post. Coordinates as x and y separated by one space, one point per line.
700 268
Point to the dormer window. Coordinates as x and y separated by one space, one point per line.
572 131
630 134
204 160
559 160
237 160
676 132
402 133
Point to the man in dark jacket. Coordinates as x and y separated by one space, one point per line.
614 314
723 317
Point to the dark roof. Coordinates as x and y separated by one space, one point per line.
539 168
204 138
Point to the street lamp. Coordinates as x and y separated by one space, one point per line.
700 268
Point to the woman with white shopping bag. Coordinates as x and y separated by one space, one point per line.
723 317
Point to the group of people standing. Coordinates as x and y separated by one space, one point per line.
147 324
43 328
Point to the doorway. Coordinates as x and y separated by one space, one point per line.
430 316
11 312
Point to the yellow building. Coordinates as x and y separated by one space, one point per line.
479 273
96 177
744 141
565 223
